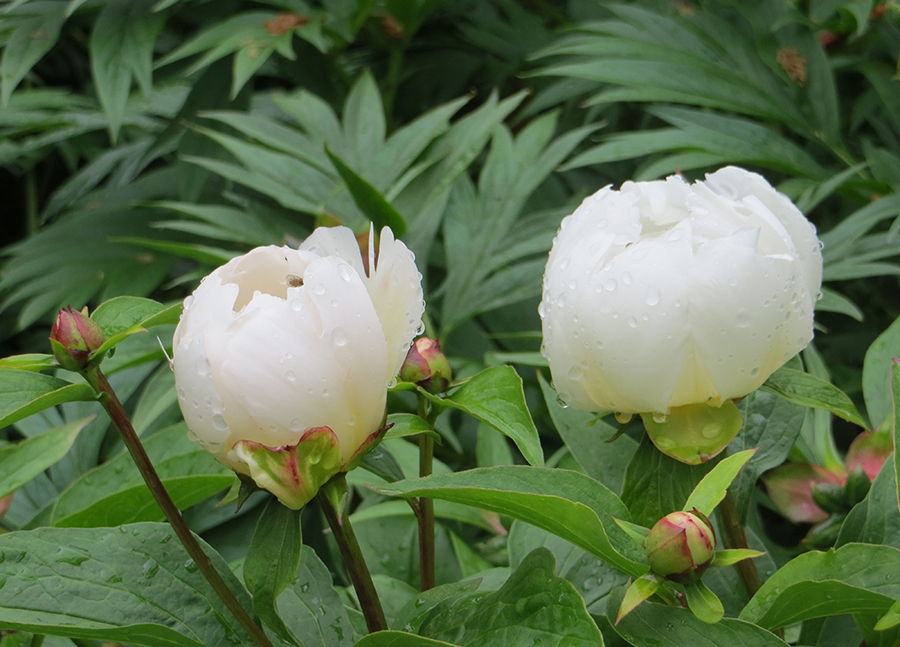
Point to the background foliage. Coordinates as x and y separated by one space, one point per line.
145 142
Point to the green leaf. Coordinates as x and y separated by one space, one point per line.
711 490
895 421
114 493
855 578
381 462
664 626
22 461
533 607
568 504
311 608
121 49
29 362
876 519
273 558
703 603
368 199
772 424
876 378
408 424
889 619
733 556
496 396
32 37
804 389
641 589
23 393
132 584
399 639
586 438
122 317
656 484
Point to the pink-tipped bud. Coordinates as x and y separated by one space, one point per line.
681 545
427 366
74 337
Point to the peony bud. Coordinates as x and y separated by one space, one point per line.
427 366
666 294
283 357
74 337
681 545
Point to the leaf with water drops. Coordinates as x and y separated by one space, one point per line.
855 578
807 390
131 584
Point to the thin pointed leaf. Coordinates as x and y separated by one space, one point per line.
368 199
889 619
636 532
711 490
733 556
641 589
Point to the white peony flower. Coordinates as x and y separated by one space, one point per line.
279 345
666 294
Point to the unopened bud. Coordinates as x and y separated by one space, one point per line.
681 545
74 337
427 366
857 486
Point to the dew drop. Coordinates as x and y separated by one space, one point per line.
573 284
319 289
296 425
339 336
732 281
626 278
290 375
565 263
632 322
743 318
219 422
600 345
202 367
664 442
561 301
344 271
754 372
610 285
711 430
574 373
660 418
623 418
562 403
652 297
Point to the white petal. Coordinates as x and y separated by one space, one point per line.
335 241
395 287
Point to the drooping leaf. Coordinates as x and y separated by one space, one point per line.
22 461
133 584
804 389
273 558
496 396
568 504
23 393
29 362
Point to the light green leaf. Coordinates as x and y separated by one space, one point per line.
122 317
733 556
22 461
568 504
496 396
408 424
132 584
23 393
641 589
855 578
273 558
804 389
703 603
711 490
889 619
29 362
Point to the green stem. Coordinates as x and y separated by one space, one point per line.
736 537
117 413
339 522
37 640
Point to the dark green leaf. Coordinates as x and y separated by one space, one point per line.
32 37
132 584
585 436
876 519
408 424
895 421
877 374
496 396
855 578
22 461
381 462
273 558
568 504
664 626
399 639
533 607
804 389
23 393
368 199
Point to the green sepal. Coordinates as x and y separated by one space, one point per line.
889 619
703 603
733 556
857 486
636 532
293 473
695 433
641 589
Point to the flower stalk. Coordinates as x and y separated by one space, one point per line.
331 499
116 412
736 537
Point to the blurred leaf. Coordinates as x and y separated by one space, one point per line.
367 198
35 30
876 378
273 558
876 519
22 461
93 584
568 504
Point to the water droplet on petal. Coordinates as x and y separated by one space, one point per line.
652 297
344 271
624 418
626 278
754 372
219 422
339 336
319 289
610 285
711 430
296 425
743 318
290 375
659 417
632 322
574 373
573 284
561 301
202 367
